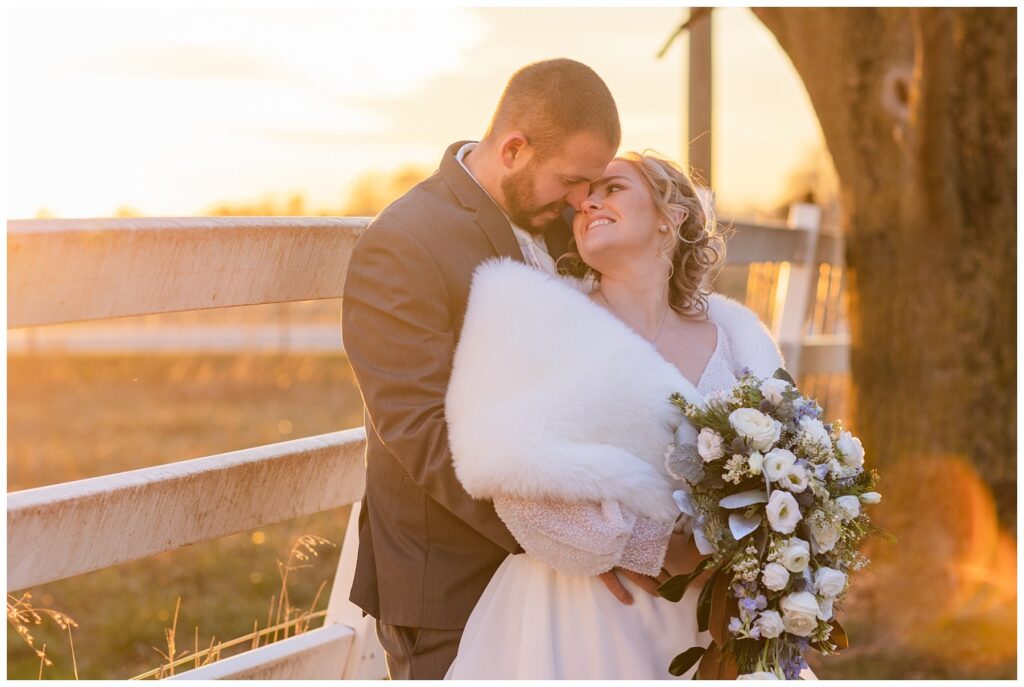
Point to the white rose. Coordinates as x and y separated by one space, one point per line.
755 462
825 608
795 555
870 497
850 450
772 389
775 577
782 511
709 445
799 613
762 430
794 479
826 535
829 582
816 431
776 462
770 624
840 471
760 675
850 505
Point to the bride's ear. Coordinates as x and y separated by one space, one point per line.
677 216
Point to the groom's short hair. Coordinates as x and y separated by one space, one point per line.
551 100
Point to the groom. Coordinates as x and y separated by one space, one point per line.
426 548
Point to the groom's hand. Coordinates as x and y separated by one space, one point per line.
614 584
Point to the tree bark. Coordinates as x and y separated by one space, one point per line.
918 109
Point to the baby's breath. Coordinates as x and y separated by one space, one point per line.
746 566
736 469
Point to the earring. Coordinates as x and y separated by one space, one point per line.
663 228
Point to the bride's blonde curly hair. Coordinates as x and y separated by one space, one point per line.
698 252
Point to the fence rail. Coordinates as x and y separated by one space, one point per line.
72 270
68 529
121 267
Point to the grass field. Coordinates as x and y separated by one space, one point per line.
71 417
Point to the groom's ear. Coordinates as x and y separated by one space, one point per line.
513 148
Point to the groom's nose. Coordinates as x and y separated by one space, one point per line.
578 195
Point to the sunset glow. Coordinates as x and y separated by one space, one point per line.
167 112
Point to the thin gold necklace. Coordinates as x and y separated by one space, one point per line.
627 320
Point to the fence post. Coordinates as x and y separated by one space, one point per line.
366 656
795 297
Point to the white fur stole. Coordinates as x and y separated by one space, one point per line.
552 396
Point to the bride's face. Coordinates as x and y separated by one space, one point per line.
617 227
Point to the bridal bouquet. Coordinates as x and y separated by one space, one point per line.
776 499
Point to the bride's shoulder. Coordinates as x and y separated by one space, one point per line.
751 341
732 314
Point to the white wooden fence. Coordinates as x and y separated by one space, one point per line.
73 270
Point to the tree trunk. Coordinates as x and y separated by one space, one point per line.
918 109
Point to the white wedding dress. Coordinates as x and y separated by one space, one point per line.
545 614
568 440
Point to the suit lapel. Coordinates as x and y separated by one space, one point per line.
489 217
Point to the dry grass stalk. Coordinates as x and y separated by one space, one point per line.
212 653
169 635
303 549
21 613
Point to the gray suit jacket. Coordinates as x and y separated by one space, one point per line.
426 548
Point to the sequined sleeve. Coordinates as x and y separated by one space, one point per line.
585 538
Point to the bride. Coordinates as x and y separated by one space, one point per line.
558 411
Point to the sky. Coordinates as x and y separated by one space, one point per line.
169 111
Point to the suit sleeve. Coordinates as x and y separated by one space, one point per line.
398 334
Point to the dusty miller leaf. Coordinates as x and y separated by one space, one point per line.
684 462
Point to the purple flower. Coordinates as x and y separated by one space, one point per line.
791 668
761 602
792 665
821 471
735 625
749 604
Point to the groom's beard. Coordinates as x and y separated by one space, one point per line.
522 208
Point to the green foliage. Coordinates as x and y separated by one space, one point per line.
704 601
684 661
746 652
674 588
782 374
685 462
